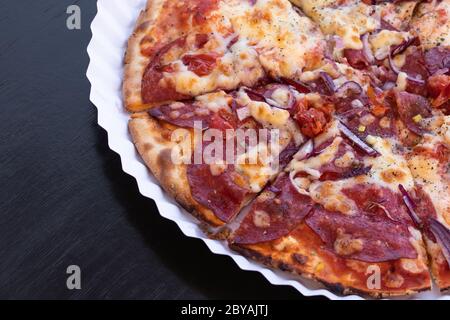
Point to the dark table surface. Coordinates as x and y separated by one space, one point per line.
64 198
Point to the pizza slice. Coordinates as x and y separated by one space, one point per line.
429 201
432 26
336 215
183 49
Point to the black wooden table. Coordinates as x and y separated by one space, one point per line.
64 198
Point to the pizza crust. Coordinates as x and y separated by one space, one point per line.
300 253
135 61
155 149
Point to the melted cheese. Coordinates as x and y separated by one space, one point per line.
388 171
382 41
258 165
348 20
271 39
432 24
215 101
433 177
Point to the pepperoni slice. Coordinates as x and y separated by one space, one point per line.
437 58
153 89
187 114
415 67
439 88
357 113
362 237
379 201
409 107
356 58
424 208
183 115
337 169
201 64
201 9
274 214
220 193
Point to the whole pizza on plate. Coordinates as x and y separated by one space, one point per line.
314 136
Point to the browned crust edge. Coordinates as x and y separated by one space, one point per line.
135 63
336 288
155 150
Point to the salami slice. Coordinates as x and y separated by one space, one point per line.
181 114
438 58
362 237
347 163
416 68
356 58
274 214
220 193
379 201
411 108
152 89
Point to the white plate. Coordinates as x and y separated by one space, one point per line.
110 30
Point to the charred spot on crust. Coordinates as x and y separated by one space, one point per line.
299 258
147 147
336 287
164 161
285 267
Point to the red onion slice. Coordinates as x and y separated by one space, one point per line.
403 46
397 71
409 203
351 86
442 234
255 96
367 50
305 151
328 81
268 95
357 141
299 86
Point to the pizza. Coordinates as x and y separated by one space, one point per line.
311 136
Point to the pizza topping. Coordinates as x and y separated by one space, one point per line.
305 151
283 209
439 88
410 205
345 245
362 237
181 114
407 76
442 234
312 122
349 89
438 60
221 193
154 88
357 141
323 84
356 58
211 110
280 96
201 64
299 86
410 106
